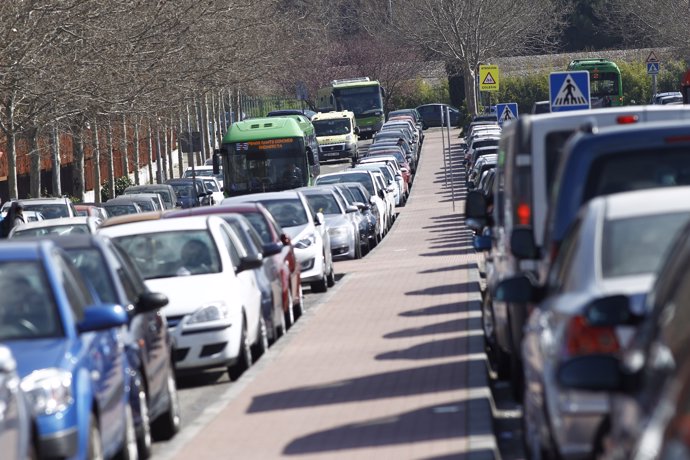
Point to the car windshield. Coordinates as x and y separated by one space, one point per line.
636 245
49 211
259 223
146 205
335 127
27 305
324 203
199 173
288 213
364 179
183 190
357 193
93 267
71 229
398 156
174 253
212 185
120 209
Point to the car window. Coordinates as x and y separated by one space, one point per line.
250 246
230 247
637 245
75 289
54 230
27 306
288 213
560 269
129 275
49 211
260 225
553 149
325 203
92 265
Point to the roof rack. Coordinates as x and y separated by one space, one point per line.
349 80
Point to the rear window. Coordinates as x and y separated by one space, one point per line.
288 213
553 147
638 170
364 179
636 245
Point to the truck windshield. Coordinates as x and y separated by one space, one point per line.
363 101
335 127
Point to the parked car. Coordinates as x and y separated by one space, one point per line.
399 174
149 346
90 209
614 247
61 226
50 208
57 331
369 211
307 230
389 180
343 232
541 107
191 193
215 188
166 192
280 303
146 203
431 115
214 307
648 379
121 207
358 218
16 426
203 171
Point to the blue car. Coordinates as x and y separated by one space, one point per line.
69 352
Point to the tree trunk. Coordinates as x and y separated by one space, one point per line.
149 153
78 163
180 158
206 132
198 122
125 157
136 151
160 169
55 161
96 163
35 171
111 160
470 88
11 152
169 147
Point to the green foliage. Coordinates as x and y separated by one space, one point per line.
121 183
418 92
525 90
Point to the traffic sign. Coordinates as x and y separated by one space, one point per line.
652 57
569 91
506 112
652 68
489 78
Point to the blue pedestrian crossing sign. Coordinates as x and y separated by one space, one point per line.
569 91
652 68
506 112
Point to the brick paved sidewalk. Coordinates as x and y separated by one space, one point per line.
389 366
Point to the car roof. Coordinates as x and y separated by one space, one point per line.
647 202
283 195
59 221
159 225
24 249
129 218
209 210
82 240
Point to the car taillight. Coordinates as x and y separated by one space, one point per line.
524 214
583 339
673 139
627 119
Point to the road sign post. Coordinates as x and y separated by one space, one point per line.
489 79
505 113
653 66
569 91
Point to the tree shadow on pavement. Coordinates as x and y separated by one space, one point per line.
455 288
440 421
445 348
414 381
455 325
443 309
448 269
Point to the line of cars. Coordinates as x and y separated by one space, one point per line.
584 231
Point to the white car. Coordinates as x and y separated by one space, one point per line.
54 227
393 163
389 179
216 189
307 230
214 313
203 171
388 195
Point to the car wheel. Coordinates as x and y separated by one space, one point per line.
322 284
261 345
366 246
358 250
330 279
499 361
297 305
144 429
129 442
168 423
244 360
94 448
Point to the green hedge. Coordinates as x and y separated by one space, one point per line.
637 85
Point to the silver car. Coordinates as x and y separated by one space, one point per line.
15 418
613 248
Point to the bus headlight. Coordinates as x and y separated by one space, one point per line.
48 390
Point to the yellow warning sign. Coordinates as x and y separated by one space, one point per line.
489 78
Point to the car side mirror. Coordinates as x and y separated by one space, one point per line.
519 289
319 220
271 249
285 239
522 243
101 317
611 311
251 262
351 208
592 373
150 301
475 206
216 161
356 131
382 194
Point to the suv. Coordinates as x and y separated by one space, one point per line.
191 192
166 191
528 156
431 115
337 135
50 208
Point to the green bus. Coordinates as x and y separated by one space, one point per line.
361 96
268 155
606 86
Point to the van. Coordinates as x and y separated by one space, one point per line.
529 154
337 135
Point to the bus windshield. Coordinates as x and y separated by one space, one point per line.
363 101
266 165
605 85
335 127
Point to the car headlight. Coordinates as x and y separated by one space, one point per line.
214 312
338 232
48 390
304 243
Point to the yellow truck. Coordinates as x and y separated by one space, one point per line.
337 134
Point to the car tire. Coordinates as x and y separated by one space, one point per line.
144 438
297 306
358 249
322 284
244 360
499 361
94 447
330 279
168 423
129 443
261 345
